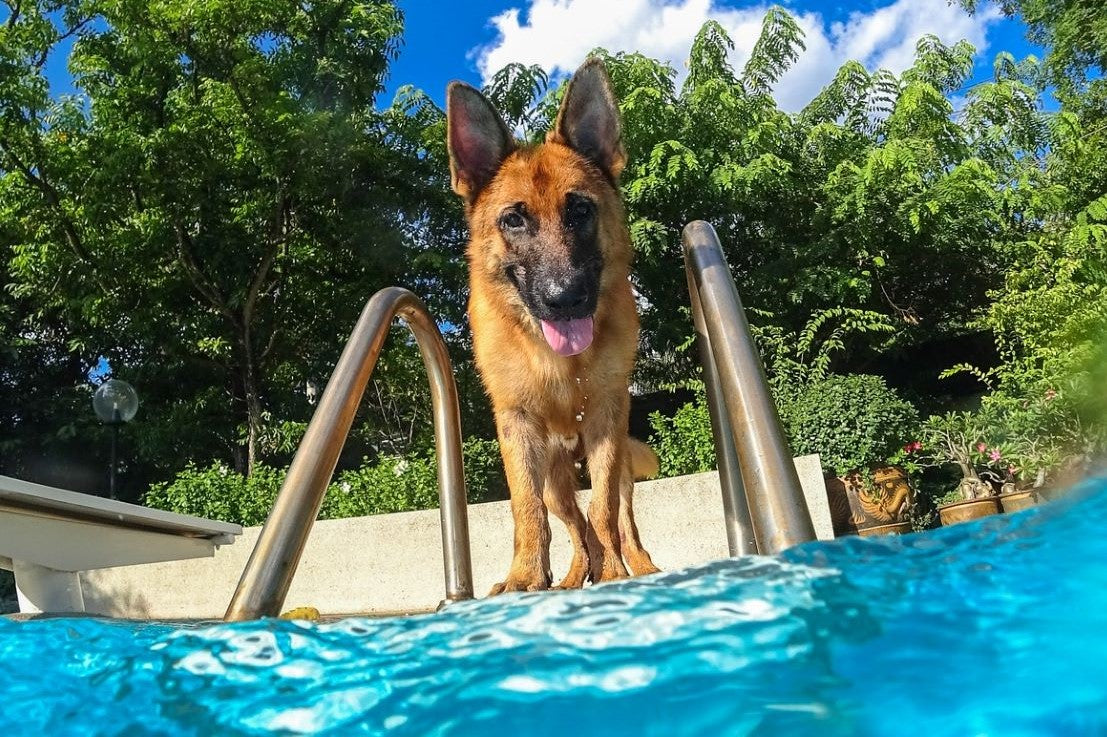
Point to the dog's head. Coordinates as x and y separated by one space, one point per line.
547 224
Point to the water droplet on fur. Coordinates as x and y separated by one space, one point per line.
580 417
579 465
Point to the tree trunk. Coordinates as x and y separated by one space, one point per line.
251 397
253 410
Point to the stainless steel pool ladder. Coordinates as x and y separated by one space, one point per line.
763 503
268 573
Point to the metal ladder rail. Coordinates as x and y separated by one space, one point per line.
763 502
268 574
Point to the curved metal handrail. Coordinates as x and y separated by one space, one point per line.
268 573
763 501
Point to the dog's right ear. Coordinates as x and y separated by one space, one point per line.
477 138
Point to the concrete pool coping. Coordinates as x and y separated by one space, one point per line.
392 564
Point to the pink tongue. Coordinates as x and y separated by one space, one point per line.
568 337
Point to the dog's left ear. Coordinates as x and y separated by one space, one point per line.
588 121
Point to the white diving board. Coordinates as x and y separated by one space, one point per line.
48 536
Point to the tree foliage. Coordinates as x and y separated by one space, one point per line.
215 205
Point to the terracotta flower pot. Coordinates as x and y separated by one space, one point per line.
956 512
1017 501
896 528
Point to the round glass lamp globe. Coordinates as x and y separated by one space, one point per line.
115 401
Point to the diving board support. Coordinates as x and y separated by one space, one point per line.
41 589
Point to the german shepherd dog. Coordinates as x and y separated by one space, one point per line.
555 328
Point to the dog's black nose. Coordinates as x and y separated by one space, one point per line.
564 299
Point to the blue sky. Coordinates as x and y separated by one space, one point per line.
470 39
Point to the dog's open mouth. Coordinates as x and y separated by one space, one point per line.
568 337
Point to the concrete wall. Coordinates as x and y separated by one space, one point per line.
393 563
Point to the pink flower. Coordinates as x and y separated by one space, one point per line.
1012 470
995 455
981 447
912 447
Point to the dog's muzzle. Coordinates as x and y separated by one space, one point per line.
564 301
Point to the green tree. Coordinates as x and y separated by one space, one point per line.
214 207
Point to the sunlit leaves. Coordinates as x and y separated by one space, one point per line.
777 48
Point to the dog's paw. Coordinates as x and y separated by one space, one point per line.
578 573
610 569
640 564
570 582
573 580
613 576
522 582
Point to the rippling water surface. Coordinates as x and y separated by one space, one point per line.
991 628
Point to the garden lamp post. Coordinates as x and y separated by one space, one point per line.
115 403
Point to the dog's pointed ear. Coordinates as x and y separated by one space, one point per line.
588 120
477 138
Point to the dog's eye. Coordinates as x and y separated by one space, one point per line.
511 220
578 212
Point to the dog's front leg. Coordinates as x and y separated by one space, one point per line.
561 499
636 556
605 441
525 453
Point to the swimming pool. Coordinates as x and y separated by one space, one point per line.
997 627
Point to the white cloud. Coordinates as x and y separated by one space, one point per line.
558 34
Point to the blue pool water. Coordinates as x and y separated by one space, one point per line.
991 628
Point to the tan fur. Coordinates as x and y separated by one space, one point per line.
537 395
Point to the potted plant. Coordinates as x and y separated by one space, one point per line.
1042 445
1051 445
1030 460
857 425
956 438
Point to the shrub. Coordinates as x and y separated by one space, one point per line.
218 492
852 422
684 443
484 471
392 484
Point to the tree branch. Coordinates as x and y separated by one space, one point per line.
75 29
53 198
269 346
278 233
202 284
13 13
